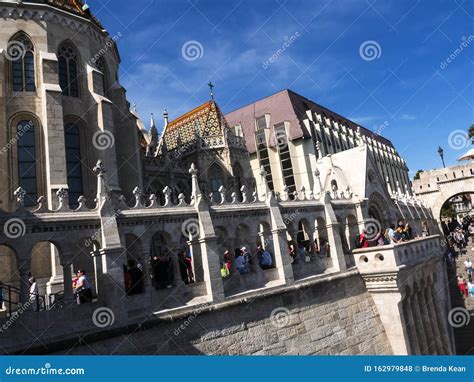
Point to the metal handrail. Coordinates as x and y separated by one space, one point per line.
10 295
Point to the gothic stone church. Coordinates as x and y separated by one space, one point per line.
203 137
74 155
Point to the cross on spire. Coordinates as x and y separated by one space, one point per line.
211 86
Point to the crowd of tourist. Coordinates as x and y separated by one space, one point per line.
394 234
457 236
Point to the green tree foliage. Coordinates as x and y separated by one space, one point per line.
470 131
447 211
417 175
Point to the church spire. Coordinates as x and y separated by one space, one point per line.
211 87
162 147
151 147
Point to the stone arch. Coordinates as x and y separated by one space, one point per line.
378 206
243 237
445 196
342 233
304 231
225 240
9 265
353 229
265 234
133 248
322 235
160 244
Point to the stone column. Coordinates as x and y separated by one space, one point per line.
336 250
195 248
67 277
211 268
335 245
419 323
55 283
438 339
111 282
411 325
387 299
431 338
360 216
446 344
24 285
282 259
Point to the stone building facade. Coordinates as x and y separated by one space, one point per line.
287 133
61 109
76 198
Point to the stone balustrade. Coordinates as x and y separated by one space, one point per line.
408 280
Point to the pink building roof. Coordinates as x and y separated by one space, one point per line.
287 105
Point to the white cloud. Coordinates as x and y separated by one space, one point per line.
407 117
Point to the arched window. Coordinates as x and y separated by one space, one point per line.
216 181
103 68
67 59
73 162
20 51
27 160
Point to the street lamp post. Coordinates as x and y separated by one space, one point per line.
441 154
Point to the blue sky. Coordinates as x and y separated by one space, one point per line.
408 89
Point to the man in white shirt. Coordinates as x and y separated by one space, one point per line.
33 294
468 266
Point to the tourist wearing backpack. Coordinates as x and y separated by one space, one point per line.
265 259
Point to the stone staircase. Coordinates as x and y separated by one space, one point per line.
464 336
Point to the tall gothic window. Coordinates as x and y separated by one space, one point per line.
264 158
101 66
67 59
216 181
239 176
285 157
73 163
21 53
27 161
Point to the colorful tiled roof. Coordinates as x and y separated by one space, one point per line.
74 6
204 121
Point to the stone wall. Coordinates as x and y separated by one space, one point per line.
334 315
